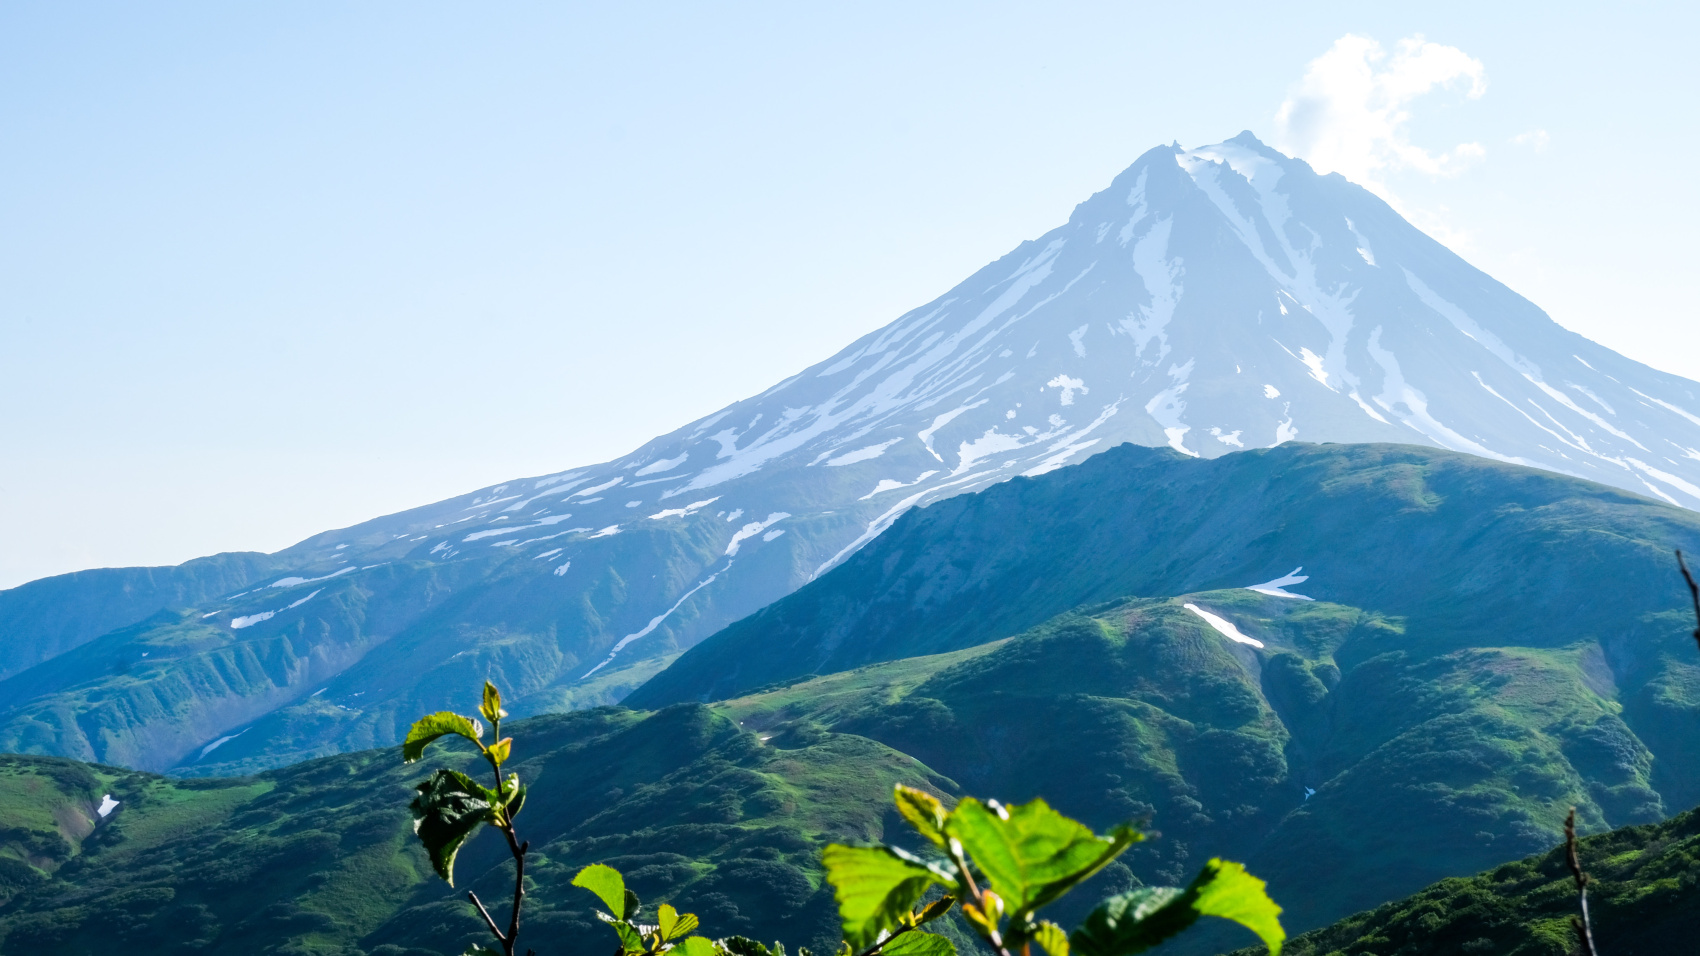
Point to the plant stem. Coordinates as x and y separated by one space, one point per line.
505 823
1584 927
996 938
487 920
1693 592
519 886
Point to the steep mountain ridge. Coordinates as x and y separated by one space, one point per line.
44 618
1471 551
1209 300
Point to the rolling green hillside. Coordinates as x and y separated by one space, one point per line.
323 665
1645 901
1471 552
1340 766
336 657
320 858
1139 709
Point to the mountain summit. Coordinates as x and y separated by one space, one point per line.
1210 300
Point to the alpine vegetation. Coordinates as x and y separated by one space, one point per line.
999 866
451 806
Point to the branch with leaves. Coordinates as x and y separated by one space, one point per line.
999 866
1004 864
669 932
451 806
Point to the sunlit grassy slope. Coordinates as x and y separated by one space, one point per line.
1340 766
319 857
1644 900
1416 766
1491 645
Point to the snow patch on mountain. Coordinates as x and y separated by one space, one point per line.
1278 587
1223 626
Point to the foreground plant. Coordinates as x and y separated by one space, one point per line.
669 932
451 806
999 866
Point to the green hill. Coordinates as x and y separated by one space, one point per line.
1489 646
1645 901
1293 757
1137 708
320 858
1470 552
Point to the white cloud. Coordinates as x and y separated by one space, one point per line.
1536 139
1350 111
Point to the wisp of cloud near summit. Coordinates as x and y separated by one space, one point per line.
1350 112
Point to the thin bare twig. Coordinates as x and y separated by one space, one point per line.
1584 926
487 920
1693 592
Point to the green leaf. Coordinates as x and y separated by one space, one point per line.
672 924
633 906
608 885
695 946
745 946
491 707
1133 922
985 916
432 726
934 910
875 887
516 796
1226 890
1136 921
1030 853
631 941
1051 937
501 749
687 922
923 811
917 943
449 808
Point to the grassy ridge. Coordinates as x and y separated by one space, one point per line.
1294 757
319 857
50 616
1341 766
1645 900
1470 552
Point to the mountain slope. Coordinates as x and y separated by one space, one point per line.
1472 552
1643 903
1209 300
320 857
50 616
1292 755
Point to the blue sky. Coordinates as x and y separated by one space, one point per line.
271 269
